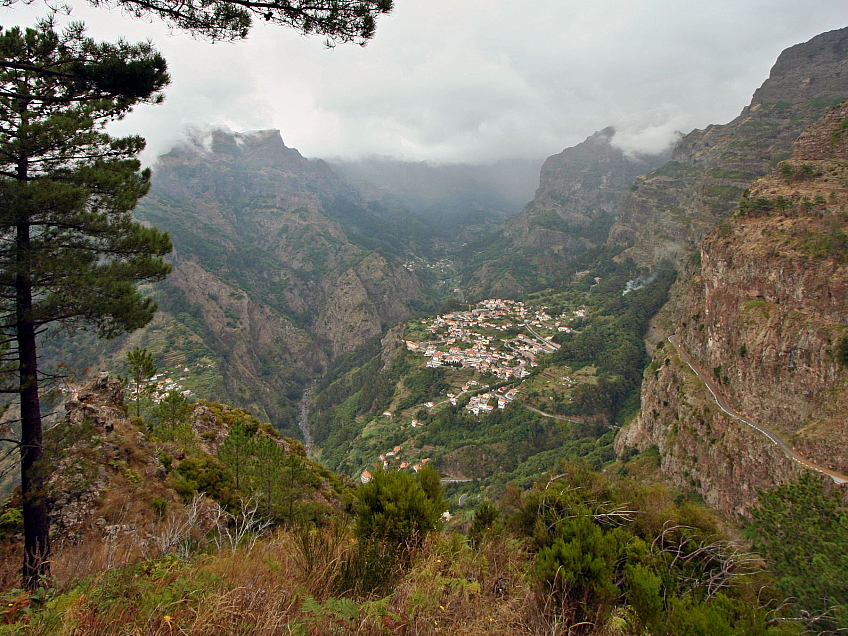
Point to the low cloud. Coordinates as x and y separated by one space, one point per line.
651 133
476 81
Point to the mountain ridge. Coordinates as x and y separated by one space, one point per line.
766 311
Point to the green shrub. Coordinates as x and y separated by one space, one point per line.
842 351
645 595
802 530
203 473
12 521
485 517
371 568
395 507
580 563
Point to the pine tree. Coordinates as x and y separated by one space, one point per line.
71 254
235 452
142 368
338 21
394 507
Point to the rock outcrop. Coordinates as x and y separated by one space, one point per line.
99 457
114 485
767 315
578 188
580 191
364 300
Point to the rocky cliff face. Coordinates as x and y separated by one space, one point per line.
102 462
263 354
579 194
364 300
701 448
259 215
767 314
670 210
275 261
578 187
107 477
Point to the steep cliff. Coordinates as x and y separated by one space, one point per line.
263 357
279 265
364 300
579 193
580 190
668 211
767 316
259 215
119 491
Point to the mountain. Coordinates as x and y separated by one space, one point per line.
579 193
279 266
766 318
578 198
288 231
668 211
755 312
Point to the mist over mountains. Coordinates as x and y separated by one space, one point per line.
449 195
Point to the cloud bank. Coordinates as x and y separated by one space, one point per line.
478 80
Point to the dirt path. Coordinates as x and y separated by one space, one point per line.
787 449
550 415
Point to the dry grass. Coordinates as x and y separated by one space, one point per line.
281 587
11 558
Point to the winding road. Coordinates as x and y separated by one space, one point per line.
787 449
550 415
550 345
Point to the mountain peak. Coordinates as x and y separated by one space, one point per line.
226 142
805 71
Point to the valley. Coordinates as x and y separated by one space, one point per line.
495 390
300 282
606 397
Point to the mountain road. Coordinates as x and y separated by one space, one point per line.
787 449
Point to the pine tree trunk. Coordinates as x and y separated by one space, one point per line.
36 522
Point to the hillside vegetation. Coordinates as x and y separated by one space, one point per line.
385 396
182 550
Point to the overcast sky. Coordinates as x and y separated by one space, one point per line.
474 80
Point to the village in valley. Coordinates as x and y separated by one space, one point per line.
504 337
159 385
496 342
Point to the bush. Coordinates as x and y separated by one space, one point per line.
395 508
159 506
484 519
370 569
645 595
802 529
842 351
11 521
203 473
580 563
